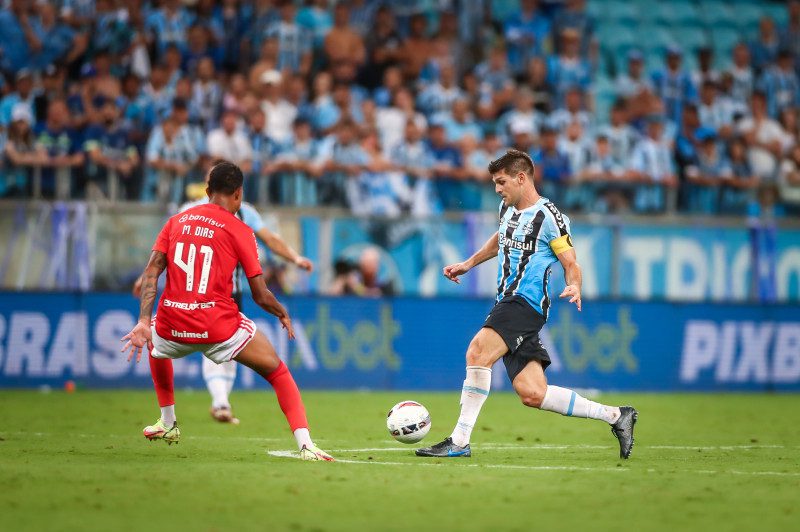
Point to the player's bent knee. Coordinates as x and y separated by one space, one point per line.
532 397
476 355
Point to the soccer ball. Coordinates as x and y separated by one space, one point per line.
408 422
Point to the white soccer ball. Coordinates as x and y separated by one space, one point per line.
408 422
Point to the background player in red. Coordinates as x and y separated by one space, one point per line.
200 248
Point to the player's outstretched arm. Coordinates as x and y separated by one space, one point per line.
279 246
266 300
572 275
140 335
486 252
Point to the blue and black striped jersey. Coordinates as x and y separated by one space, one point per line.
529 242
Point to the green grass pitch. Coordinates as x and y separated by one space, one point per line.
701 462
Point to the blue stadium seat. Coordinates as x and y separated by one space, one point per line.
718 14
776 10
748 15
676 13
691 38
622 12
724 39
654 37
615 37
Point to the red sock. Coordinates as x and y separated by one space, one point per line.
288 397
161 371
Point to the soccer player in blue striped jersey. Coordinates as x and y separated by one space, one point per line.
532 237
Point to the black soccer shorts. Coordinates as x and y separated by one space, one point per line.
518 324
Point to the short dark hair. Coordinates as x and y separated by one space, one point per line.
513 162
225 178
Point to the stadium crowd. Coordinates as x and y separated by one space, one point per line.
387 107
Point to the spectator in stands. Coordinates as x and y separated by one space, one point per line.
764 49
263 17
416 48
300 162
608 176
109 150
264 150
345 159
674 85
764 137
206 94
568 69
527 34
495 75
439 96
413 157
63 148
446 167
170 156
552 164
621 135
460 123
159 92
169 24
280 113
574 16
780 84
737 191
21 154
573 111
294 42
790 33
344 47
743 74
317 20
705 67
632 84
384 48
23 95
230 143
703 178
392 82
789 181
576 145
58 39
653 166
383 190
713 111
362 16
538 82
19 38
523 113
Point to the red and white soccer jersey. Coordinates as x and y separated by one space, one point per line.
203 245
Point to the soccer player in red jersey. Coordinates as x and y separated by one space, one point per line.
200 248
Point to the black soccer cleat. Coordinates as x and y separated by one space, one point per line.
445 449
623 430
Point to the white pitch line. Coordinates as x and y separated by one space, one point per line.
295 455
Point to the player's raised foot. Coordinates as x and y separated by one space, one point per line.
224 414
160 431
312 452
623 430
445 449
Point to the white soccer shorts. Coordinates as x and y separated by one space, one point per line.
217 353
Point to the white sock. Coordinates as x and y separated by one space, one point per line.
303 437
473 395
168 415
219 381
568 403
218 388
